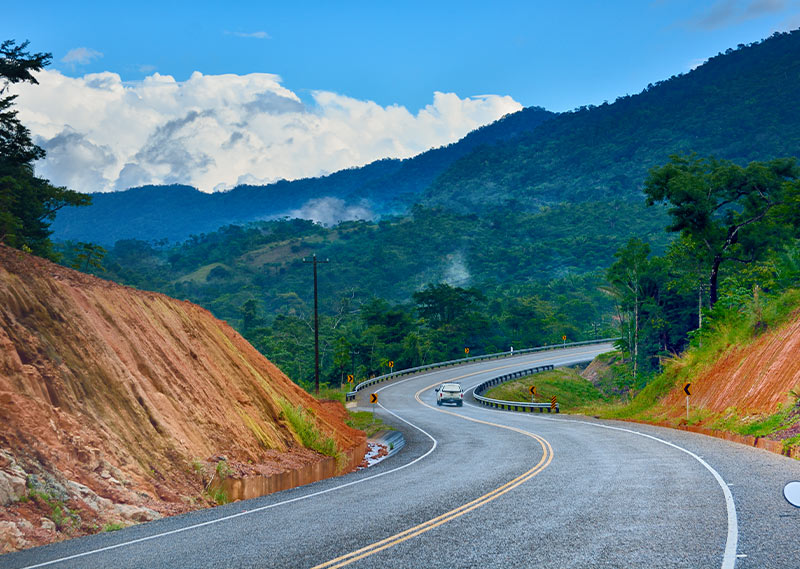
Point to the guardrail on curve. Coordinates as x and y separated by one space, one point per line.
513 405
366 383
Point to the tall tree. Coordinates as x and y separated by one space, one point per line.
28 203
626 276
728 212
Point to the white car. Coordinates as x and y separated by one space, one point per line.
450 393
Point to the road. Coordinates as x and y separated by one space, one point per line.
476 487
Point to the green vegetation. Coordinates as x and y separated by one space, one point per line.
114 526
28 204
738 105
366 421
218 496
304 425
571 390
64 518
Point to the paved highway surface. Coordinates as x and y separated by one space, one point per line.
477 487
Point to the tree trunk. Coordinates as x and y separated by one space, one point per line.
712 281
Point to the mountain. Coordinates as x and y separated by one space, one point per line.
739 106
176 212
118 405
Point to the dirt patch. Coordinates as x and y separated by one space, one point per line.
117 400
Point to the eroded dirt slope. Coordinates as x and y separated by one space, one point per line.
111 399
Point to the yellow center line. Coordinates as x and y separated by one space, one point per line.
544 462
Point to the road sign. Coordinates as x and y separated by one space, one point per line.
466 350
350 378
373 398
686 389
390 363
553 403
532 390
564 337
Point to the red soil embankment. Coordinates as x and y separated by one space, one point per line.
754 379
118 402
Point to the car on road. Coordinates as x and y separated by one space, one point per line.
450 393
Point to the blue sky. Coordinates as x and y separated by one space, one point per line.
554 54
217 94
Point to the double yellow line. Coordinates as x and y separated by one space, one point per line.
547 457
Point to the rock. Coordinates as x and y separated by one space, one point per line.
24 524
11 538
48 524
47 484
89 497
12 484
136 513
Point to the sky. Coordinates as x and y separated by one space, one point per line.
215 94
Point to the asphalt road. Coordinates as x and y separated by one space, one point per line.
476 487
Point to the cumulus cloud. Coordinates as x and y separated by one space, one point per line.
81 56
217 131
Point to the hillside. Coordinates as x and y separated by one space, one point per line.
744 379
740 106
119 405
176 212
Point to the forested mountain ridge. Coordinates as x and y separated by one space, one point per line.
740 106
175 212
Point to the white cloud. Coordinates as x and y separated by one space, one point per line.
261 35
216 131
81 56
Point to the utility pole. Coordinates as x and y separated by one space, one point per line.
314 262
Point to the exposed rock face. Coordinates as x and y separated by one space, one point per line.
111 397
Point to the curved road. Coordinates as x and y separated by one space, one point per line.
476 487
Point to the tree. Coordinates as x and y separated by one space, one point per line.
626 276
727 212
443 304
28 204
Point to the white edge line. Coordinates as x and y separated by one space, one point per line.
732 539
255 510
269 506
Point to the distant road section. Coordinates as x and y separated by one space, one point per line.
477 487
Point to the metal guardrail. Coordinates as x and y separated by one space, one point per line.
512 405
351 395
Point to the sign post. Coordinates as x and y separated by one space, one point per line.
688 393
373 398
553 403
533 393
390 363
564 338
466 352
350 378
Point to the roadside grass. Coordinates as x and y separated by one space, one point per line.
727 328
572 392
365 421
303 424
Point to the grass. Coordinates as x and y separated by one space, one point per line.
571 390
218 496
60 514
726 328
304 426
365 421
113 526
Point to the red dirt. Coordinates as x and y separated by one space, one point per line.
754 379
130 393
